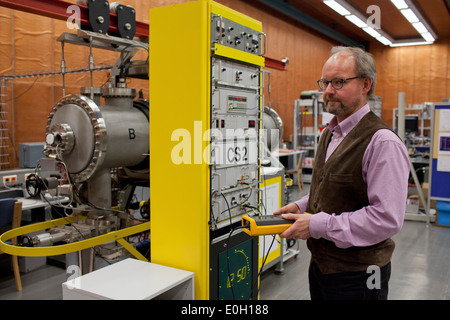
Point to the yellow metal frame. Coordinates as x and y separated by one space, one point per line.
71 247
180 92
225 51
237 17
180 55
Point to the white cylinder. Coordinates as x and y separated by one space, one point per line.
401 115
45 239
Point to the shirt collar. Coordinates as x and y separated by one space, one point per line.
349 123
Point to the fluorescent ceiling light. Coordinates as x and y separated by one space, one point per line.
404 44
406 7
337 7
384 40
372 32
400 4
420 27
427 36
357 21
410 15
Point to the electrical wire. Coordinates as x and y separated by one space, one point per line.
241 227
262 267
239 204
24 92
56 207
264 244
73 226
229 209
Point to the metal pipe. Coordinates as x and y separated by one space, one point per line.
99 189
91 69
63 69
401 116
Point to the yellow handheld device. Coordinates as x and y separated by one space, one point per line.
265 225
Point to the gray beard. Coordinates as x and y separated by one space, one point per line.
343 109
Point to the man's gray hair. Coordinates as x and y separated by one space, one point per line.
365 64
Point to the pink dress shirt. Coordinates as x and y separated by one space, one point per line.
386 170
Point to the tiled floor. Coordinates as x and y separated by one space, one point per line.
420 266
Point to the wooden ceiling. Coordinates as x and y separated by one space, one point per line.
392 21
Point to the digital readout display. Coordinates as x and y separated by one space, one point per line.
233 98
237 104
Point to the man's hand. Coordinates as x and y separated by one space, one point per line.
290 208
300 228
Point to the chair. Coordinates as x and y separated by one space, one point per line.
11 213
298 170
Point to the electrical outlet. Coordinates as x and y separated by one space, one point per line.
9 179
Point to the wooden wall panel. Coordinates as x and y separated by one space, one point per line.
448 70
439 60
5 41
31 114
31 35
387 82
421 72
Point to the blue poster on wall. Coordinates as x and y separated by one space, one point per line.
440 162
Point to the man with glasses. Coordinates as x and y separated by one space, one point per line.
358 189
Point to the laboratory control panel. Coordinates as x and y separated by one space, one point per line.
234 35
235 125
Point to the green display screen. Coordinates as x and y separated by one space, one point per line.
235 279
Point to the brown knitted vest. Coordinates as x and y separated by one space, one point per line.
337 186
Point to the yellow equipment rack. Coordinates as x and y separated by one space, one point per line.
180 94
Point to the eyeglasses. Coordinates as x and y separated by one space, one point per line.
336 83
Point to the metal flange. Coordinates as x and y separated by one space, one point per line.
79 132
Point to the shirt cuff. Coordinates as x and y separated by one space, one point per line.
318 225
301 204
